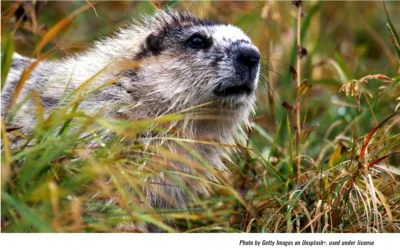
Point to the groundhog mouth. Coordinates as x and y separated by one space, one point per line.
239 89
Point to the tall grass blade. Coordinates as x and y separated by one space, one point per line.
58 27
7 50
26 213
392 30
24 77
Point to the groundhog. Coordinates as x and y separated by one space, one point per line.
181 61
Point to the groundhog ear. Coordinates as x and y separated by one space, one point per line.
154 44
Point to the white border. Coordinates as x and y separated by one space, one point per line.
202 241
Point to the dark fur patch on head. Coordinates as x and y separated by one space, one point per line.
154 43
184 19
152 47
169 22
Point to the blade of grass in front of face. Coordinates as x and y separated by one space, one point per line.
28 215
7 50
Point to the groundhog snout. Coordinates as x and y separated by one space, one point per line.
248 57
247 61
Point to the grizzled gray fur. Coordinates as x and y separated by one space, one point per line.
183 61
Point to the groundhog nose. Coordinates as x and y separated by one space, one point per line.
249 56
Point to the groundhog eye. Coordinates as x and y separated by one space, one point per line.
198 42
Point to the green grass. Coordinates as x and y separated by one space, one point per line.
348 146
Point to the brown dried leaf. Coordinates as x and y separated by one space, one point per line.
301 51
297 3
293 72
288 107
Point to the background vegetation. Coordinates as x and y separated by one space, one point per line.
316 159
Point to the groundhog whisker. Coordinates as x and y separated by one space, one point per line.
271 52
268 68
267 82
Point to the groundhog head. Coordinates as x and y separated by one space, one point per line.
187 61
